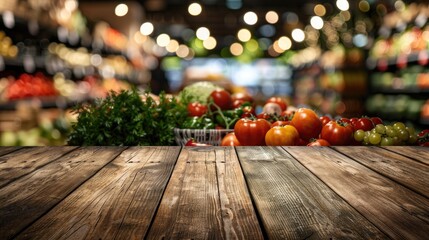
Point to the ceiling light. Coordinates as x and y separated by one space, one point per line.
272 17
70 5
121 10
319 10
298 35
236 49
210 43
316 22
250 18
343 5
364 6
195 9
172 46
182 51
203 33
277 48
284 43
244 35
163 40
146 28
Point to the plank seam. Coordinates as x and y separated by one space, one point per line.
410 157
382 174
345 200
14 150
252 199
155 213
72 190
37 168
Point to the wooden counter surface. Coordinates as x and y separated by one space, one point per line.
214 193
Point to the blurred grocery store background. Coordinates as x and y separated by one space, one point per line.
339 57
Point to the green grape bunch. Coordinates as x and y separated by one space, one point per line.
387 135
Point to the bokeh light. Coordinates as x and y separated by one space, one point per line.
316 22
163 40
298 35
271 17
146 28
210 43
244 35
236 49
195 9
250 18
203 33
343 5
121 10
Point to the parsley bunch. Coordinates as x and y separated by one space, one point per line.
124 119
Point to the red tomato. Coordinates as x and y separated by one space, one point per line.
318 142
221 98
423 138
251 132
325 120
307 123
245 97
248 111
287 114
353 121
337 133
301 142
266 116
282 136
282 103
363 123
196 109
376 120
237 103
230 140
272 108
280 123
346 120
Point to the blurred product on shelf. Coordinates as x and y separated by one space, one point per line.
398 60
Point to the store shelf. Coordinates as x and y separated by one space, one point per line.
413 91
399 61
44 103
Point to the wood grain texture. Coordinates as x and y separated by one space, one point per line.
418 153
408 172
206 198
119 202
26 160
29 197
294 204
393 208
6 150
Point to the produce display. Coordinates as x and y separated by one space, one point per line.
133 118
27 86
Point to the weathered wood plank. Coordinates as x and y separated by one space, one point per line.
408 172
294 204
418 153
26 160
118 202
29 197
206 198
396 210
6 150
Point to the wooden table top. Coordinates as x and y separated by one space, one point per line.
214 192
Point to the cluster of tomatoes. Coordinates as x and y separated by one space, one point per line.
279 125
30 86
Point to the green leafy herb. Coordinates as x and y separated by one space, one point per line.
124 119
